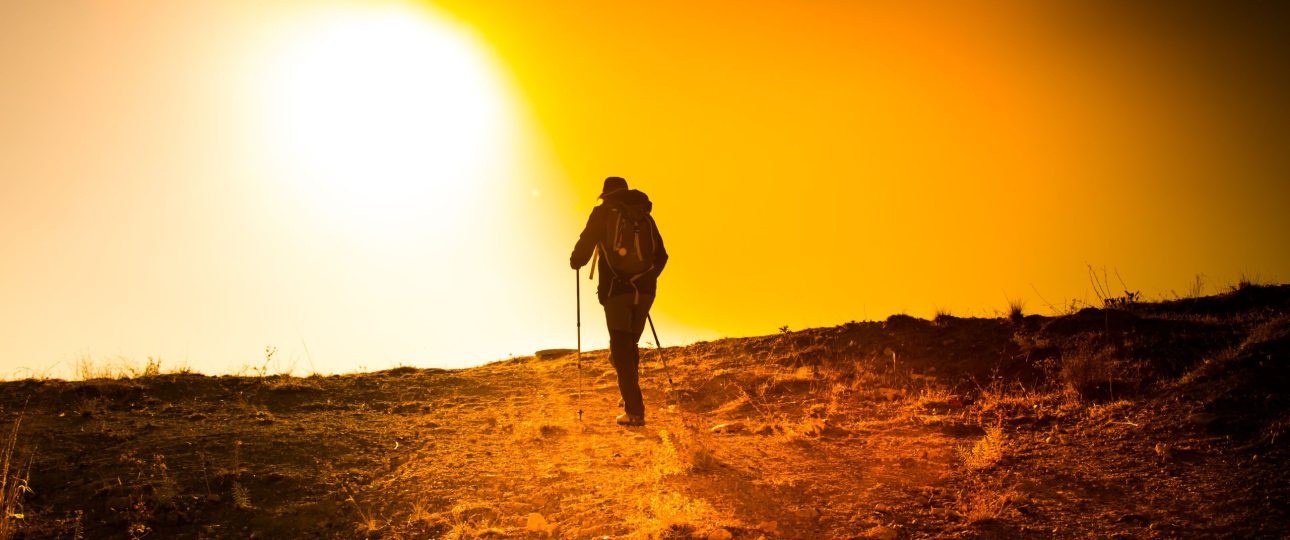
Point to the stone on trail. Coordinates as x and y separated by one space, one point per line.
720 534
729 427
551 354
538 524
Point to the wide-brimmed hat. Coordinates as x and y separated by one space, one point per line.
612 184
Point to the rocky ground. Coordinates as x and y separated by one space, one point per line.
1149 420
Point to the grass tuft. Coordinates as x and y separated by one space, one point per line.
1016 310
986 505
985 452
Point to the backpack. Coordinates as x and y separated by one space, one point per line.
629 244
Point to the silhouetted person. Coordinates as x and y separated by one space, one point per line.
622 234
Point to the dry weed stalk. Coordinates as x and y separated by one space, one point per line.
368 522
13 485
150 487
242 497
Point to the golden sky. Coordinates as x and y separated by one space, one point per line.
364 184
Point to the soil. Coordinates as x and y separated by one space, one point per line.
1153 420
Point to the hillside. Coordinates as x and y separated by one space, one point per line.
1153 420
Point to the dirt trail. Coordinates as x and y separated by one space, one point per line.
802 458
526 453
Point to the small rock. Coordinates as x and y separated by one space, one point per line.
1136 519
537 523
881 508
1203 419
551 431
213 497
720 534
730 427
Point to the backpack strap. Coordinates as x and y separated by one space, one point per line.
618 225
637 299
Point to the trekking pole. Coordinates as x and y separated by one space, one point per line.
577 287
666 371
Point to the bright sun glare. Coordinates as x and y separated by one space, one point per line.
381 115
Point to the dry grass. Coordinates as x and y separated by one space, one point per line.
421 513
471 520
121 367
672 515
985 504
986 452
936 400
1091 371
289 383
1103 289
681 453
13 485
1016 310
242 497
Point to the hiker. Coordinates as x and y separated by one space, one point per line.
621 233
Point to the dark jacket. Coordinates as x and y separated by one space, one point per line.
594 233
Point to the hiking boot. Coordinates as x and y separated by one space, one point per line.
630 420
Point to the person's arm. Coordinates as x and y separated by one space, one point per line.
660 252
586 241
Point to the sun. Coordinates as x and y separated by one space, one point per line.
382 114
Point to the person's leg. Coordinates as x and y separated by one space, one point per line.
626 358
620 315
640 315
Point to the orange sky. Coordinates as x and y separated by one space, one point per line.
199 180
